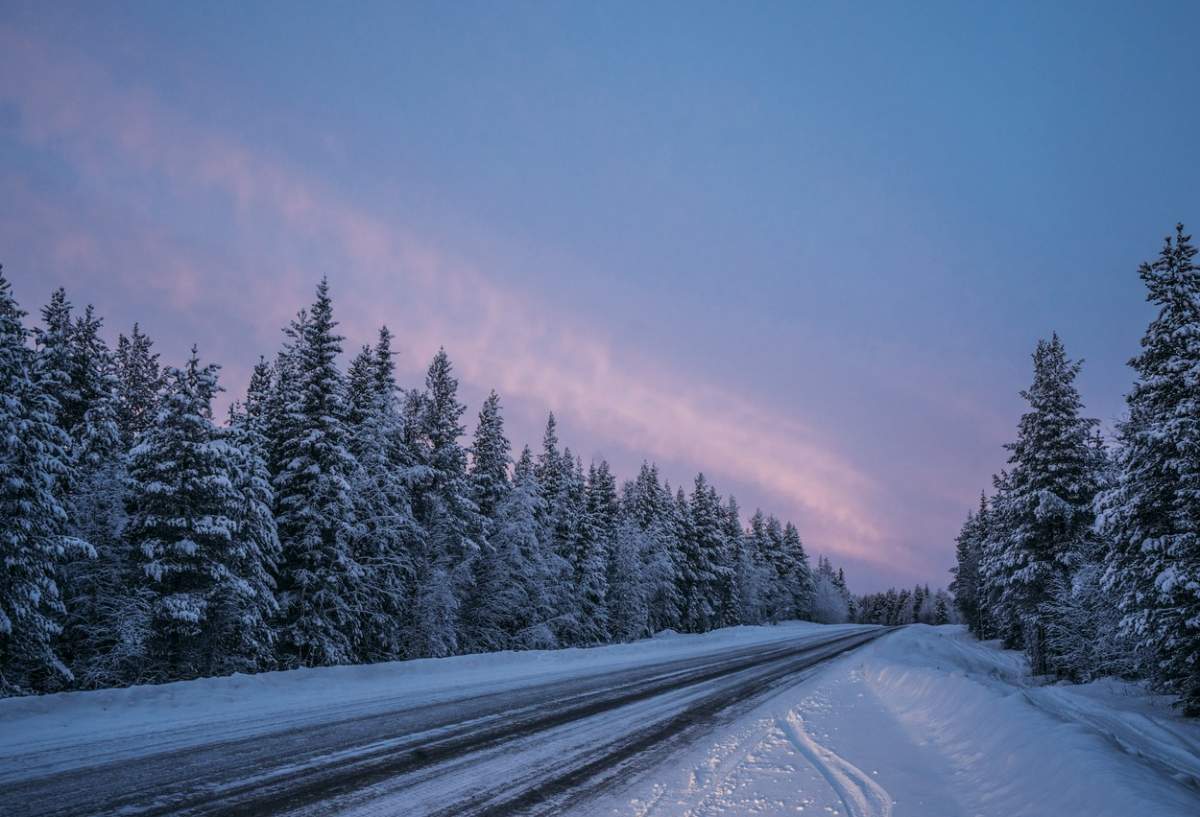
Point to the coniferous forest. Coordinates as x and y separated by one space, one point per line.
1086 555
334 517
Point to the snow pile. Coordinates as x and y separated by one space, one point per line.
1097 749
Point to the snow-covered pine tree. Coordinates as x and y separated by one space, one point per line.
829 604
34 463
966 585
851 600
387 530
56 368
139 385
628 612
702 568
447 513
1151 514
941 609
314 508
488 622
245 607
799 577
521 600
548 470
733 589
755 578
649 505
95 589
1044 514
490 458
592 544
205 582
768 538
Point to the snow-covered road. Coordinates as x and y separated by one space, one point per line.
528 733
796 719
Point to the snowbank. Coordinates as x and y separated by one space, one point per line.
928 722
1098 749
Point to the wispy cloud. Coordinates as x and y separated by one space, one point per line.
75 110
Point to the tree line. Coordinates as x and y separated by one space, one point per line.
1087 554
333 517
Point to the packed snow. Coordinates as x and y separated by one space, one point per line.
929 722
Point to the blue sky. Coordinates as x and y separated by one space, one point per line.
806 248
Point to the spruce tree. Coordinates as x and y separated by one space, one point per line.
628 611
591 542
448 514
183 519
1043 513
33 465
498 567
489 458
799 577
387 531
966 586
56 367
139 384
703 570
648 504
314 508
512 607
1151 513
734 577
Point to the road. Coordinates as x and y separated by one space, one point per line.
538 749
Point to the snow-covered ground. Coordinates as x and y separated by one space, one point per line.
924 721
929 722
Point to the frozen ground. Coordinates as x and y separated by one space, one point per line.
930 723
794 719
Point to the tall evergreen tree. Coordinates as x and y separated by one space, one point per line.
628 611
732 575
448 514
798 575
702 570
591 538
56 370
95 589
387 532
648 504
139 384
489 458
34 464
499 567
210 594
1045 509
314 509
966 586
1151 513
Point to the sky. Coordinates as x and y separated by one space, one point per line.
805 248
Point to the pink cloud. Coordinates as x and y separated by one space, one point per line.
498 337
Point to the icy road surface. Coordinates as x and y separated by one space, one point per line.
531 733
